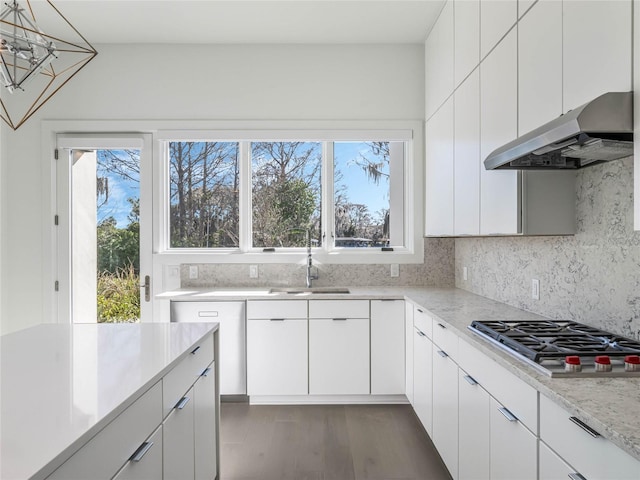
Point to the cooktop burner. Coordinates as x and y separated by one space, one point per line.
547 344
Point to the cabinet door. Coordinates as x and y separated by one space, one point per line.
540 65
277 357
496 18
596 49
445 408
499 190
178 440
467 157
466 38
552 467
438 49
205 421
409 334
423 379
146 462
473 429
339 356
387 347
439 172
513 448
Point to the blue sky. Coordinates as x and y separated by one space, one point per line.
117 206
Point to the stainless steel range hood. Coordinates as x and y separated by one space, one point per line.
596 132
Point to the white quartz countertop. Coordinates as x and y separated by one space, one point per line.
609 405
61 384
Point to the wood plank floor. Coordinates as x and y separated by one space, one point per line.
325 442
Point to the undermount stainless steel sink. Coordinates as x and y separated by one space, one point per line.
308 291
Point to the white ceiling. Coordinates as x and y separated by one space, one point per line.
247 21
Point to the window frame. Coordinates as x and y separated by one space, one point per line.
410 133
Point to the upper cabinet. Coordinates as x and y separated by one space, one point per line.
540 76
597 53
496 19
439 61
466 35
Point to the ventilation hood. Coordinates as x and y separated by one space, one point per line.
596 132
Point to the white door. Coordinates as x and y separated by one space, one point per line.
103 232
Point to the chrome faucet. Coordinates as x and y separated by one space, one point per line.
310 276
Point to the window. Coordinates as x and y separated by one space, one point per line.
349 194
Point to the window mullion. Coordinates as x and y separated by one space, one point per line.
328 206
245 197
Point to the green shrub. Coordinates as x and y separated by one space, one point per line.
119 296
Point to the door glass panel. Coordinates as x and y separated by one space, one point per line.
106 236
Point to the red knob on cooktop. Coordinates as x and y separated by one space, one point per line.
633 359
603 360
572 360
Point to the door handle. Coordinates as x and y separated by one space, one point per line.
147 288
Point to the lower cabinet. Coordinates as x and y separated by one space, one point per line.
551 466
146 462
387 347
408 352
422 379
178 440
445 408
205 417
513 448
473 429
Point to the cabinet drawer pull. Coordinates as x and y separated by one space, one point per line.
507 414
420 310
585 427
276 319
205 372
193 352
441 325
182 403
339 319
141 451
208 314
576 476
470 380
442 353
420 333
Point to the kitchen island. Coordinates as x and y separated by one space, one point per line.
66 390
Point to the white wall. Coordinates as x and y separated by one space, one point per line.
138 82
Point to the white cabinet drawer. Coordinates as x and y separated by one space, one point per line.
445 340
594 457
423 322
147 463
339 309
517 396
185 373
269 309
112 447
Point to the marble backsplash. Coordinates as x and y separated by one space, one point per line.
436 271
592 277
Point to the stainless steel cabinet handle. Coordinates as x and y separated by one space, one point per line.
193 352
442 354
576 476
205 372
507 414
420 333
277 319
420 310
141 451
182 403
441 325
585 427
339 319
208 313
470 380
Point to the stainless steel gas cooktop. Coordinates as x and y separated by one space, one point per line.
561 348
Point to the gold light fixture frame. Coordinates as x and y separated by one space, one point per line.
21 104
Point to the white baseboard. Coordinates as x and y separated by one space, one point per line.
326 399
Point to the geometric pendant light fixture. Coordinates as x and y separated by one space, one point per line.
34 65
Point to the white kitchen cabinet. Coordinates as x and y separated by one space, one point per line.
597 41
466 155
513 448
439 61
146 462
496 18
473 429
525 5
540 65
439 172
387 347
445 408
339 350
178 440
466 38
205 424
277 356
423 379
578 444
551 466
499 190
409 333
